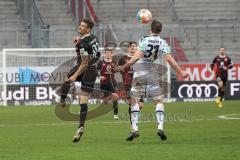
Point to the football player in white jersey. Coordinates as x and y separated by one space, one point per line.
145 79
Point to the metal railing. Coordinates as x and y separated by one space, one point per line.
28 10
80 9
12 33
197 42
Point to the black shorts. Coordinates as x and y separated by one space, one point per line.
108 89
87 78
223 79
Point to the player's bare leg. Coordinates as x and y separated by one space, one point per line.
113 97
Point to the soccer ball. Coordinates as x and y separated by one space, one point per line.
144 16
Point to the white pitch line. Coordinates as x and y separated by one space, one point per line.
228 117
94 123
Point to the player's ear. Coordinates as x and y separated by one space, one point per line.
88 30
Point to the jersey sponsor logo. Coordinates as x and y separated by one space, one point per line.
199 90
109 69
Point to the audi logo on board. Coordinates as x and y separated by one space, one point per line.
204 90
198 90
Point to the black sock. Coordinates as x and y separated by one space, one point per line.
219 92
129 113
83 114
115 107
222 95
64 90
141 99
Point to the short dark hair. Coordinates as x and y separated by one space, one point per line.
108 49
156 27
89 23
131 42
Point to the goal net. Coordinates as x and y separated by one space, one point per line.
34 76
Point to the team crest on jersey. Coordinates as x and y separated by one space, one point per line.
109 69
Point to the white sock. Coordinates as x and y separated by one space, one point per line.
135 111
160 115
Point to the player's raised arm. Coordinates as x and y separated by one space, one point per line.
82 67
230 63
174 65
137 55
213 63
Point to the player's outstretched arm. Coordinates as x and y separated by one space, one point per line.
134 59
175 66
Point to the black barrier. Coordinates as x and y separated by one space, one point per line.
232 91
204 90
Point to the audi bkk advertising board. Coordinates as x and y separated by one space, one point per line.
203 90
202 85
232 90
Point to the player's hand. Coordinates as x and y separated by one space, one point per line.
211 71
118 68
73 78
102 78
184 74
76 39
225 68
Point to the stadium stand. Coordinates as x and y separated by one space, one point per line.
207 10
197 27
112 11
207 40
207 26
201 27
13 33
122 18
62 29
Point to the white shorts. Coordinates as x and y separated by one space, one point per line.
77 86
147 84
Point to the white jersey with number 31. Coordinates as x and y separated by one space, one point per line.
145 70
153 47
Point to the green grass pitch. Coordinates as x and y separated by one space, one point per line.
194 131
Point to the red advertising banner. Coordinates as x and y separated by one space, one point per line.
203 72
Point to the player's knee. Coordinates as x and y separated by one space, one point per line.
220 84
83 99
115 96
223 88
141 105
105 100
158 101
133 101
135 107
84 107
